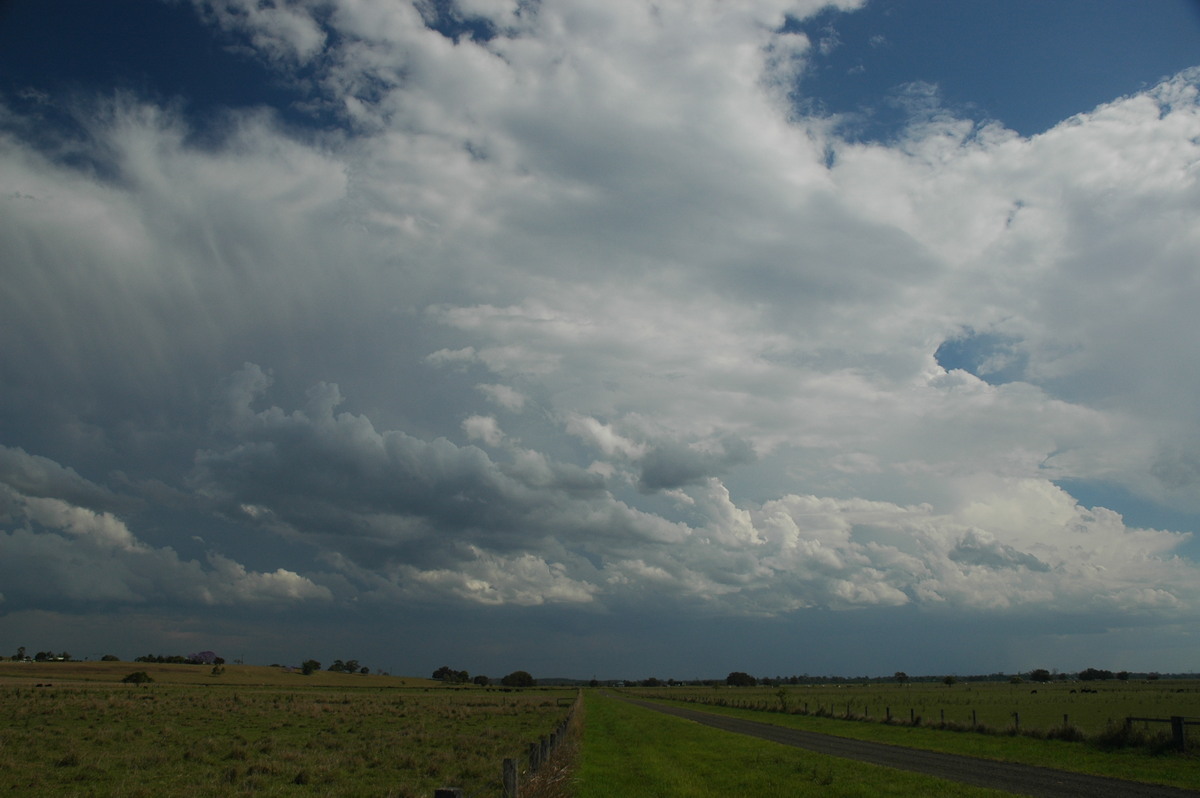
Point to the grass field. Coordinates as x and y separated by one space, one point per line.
1164 767
997 706
633 752
73 729
255 731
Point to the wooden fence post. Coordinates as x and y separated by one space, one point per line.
510 778
1177 732
535 757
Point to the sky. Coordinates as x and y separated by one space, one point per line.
602 338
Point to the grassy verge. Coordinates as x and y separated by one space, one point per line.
633 752
1167 768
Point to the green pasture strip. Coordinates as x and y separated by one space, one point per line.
122 740
633 752
1170 768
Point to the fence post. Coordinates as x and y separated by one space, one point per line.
1017 721
448 792
1177 732
510 778
888 711
535 757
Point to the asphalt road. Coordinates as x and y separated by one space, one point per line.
1009 776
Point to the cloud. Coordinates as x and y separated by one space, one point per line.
54 552
403 517
564 305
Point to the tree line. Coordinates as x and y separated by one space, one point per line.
515 679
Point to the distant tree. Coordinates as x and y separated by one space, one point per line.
518 679
202 658
482 680
950 681
338 666
20 653
651 682
138 677
1039 675
1093 674
594 683
448 674
1123 675
901 677
740 679
1014 679
1152 677
309 666
364 670
110 658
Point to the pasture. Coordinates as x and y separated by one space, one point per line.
256 731
826 713
999 707
630 751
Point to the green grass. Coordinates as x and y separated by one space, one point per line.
633 752
1169 768
220 739
990 704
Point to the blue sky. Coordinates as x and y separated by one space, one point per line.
600 339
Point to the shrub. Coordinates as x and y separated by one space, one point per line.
138 677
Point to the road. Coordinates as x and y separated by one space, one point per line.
1008 776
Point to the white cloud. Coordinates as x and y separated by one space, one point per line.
713 354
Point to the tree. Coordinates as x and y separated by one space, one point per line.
901 677
448 674
1092 674
138 677
482 680
309 666
950 681
518 679
740 679
110 658
1039 675
20 653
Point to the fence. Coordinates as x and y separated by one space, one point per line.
540 753
1178 727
